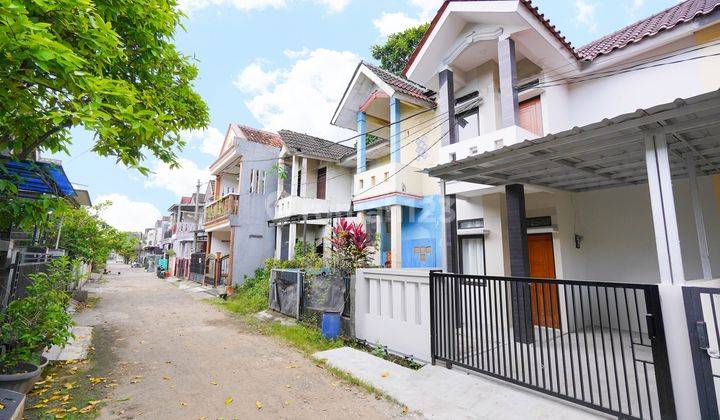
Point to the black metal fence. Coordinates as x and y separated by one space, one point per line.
197 267
702 310
601 345
15 273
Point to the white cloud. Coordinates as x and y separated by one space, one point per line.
332 6
390 23
585 14
127 215
316 80
210 139
633 7
254 79
181 180
303 52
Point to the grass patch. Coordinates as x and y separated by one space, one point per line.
341 374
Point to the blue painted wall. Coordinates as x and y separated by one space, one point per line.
421 227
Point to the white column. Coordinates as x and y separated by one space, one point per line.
278 241
396 235
303 177
292 236
699 217
667 239
672 276
294 176
362 219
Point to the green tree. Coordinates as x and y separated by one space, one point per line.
85 236
396 51
126 245
108 66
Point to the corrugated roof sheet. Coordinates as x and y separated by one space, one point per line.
667 19
299 143
37 177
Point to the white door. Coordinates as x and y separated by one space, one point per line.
473 255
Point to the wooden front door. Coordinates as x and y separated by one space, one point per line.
530 114
545 304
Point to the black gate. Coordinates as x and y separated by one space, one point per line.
600 345
701 310
197 267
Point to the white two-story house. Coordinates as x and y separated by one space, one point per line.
314 191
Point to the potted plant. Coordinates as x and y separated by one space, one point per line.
33 323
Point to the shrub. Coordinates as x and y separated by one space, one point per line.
351 246
38 320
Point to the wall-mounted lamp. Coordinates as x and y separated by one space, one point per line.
578 241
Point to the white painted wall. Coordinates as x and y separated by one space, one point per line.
392 308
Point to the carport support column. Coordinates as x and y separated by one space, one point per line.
519 263
667 238
446 104
292 238
672 277
396 236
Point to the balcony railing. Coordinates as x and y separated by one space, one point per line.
388 179
294 205
223 207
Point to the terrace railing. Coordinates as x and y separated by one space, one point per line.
600 345
223 207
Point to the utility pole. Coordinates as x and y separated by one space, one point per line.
197 220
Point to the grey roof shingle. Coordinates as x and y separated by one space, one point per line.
305 144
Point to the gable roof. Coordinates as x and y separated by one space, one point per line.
402 84
258 136
299 143
638 31
662 21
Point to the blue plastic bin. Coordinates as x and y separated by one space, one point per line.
330 325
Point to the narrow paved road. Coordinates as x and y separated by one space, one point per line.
176 357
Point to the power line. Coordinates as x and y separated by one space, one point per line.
404 166
634 62
637 67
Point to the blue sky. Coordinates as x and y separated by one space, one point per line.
283 64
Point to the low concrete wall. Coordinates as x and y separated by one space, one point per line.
392 308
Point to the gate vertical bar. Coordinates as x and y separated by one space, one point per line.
701 362
663 380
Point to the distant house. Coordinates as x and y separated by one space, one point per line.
315 191
185 229
242 201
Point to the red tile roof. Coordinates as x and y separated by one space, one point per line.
258 136
401 84
667 19
185 200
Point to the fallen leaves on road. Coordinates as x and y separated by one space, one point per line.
405 409
166 378
258 404
213 383
183 403
384 374
228 401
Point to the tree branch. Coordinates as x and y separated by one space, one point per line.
32 146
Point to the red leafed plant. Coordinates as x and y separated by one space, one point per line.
351 246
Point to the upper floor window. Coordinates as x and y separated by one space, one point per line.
321 181
530 113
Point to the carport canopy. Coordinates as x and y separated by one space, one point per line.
679 139
609 153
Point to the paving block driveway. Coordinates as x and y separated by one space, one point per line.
177 357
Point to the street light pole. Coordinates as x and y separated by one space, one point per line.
197 221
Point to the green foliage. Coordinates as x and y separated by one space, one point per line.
21 212
85 236
109 66
396 51
38 320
